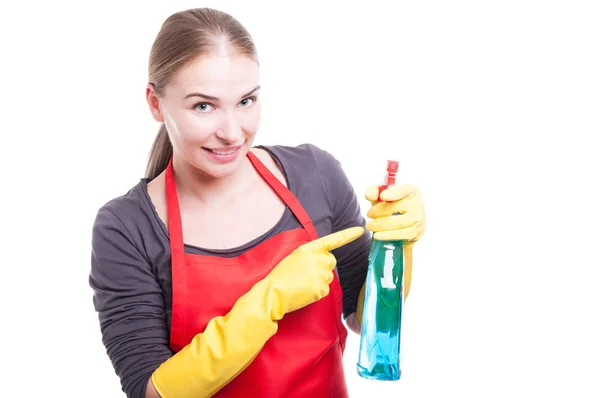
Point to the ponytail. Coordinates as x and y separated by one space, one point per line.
160 154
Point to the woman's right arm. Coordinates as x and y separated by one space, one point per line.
151 391
133 323
129 303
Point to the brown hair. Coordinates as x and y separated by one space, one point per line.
183 37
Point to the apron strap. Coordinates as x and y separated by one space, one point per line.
285 194
178 269
174 215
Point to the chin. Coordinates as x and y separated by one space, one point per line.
221 171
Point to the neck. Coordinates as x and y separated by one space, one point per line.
196 185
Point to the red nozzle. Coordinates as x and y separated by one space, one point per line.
392 170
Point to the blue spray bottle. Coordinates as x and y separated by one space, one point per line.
380 356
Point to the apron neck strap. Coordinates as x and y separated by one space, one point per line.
174 216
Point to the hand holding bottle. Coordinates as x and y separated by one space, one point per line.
399 216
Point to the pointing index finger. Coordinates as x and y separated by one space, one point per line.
338 239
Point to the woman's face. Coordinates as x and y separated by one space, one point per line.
211 111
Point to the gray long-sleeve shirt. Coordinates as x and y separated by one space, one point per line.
131 269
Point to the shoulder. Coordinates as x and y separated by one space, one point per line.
308 162
125 217
313 171
306 154
123 206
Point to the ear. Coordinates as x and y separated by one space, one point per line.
154 103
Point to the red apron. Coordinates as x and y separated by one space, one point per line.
304 358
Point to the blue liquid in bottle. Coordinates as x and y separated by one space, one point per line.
379 354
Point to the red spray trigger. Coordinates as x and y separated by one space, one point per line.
392 169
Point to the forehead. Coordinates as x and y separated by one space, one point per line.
219 75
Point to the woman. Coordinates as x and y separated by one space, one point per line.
226 271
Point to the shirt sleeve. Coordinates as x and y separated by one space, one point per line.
352 259
129 303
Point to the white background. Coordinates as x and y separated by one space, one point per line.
492 109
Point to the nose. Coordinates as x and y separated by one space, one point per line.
230 129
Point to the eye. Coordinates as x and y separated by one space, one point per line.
246 102
203 107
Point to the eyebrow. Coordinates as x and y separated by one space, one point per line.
211 98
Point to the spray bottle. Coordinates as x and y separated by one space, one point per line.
380 356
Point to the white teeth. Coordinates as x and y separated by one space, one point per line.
224 153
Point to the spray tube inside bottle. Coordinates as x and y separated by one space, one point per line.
380 356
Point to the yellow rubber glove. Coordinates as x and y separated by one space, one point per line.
230 343
387 224
409 225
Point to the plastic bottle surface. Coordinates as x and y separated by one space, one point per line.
380 356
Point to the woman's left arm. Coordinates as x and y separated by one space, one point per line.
352 259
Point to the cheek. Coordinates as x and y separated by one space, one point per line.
251 120
194 129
